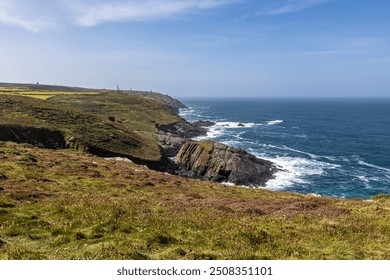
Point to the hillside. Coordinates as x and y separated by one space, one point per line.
103 123
47 91
66 204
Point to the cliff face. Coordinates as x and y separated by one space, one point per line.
218 162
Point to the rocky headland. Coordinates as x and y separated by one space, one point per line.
142 126
217 162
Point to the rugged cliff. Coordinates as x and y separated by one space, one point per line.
221 163
142 126
50 125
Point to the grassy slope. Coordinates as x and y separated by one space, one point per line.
40 94
136 112
70 205
86 123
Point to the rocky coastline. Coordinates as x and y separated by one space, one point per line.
142 126
211 160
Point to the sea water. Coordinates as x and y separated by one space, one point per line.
329 147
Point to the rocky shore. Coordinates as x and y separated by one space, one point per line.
210 160
217 162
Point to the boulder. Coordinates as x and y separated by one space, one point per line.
215 161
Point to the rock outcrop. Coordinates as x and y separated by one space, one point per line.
203 123
183 129
171 137
37 136
215 161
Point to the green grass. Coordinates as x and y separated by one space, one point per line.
40 94
136 112
89 131
69 205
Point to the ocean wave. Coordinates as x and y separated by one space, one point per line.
286 148
361 162
222 128
296 171
212 133
274 122
365 181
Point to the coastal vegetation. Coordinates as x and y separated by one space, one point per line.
40 94
86 121
66 204
84 199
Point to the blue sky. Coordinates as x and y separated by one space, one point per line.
208 48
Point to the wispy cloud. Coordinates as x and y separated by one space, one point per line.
290 6
349 46
31 25
31 15
37 15
94 12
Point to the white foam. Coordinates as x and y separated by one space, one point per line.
274 122
220 128
365 180
296 171
212 133
297 151
233 124
373 166
284 147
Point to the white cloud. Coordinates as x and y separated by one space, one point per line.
31 15
31 25
94 12
37 15
349 46
291 6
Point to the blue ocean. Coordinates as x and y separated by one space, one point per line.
329 147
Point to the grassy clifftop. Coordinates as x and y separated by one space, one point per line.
66 204
101 122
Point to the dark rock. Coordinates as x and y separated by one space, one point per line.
111 118
214 161
37 136
172 136
241 124
203 123
182 129
170 144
